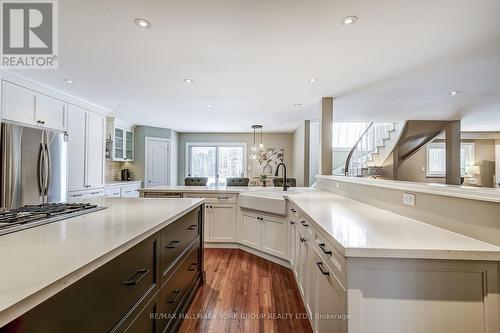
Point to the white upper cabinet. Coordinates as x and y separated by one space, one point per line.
85 149
18 104
50 112
120 138
28 107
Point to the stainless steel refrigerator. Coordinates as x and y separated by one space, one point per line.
34 166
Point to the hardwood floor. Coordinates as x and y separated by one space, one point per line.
245 293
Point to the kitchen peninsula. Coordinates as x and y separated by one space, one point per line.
356 260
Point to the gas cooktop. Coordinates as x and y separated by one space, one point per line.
34 215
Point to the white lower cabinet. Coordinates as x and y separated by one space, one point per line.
292 234
130 191
327 299
76 196
274 237
250 230
112 192
266 233
121 190
302 263
222 222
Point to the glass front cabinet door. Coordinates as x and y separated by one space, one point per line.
129 144
119 144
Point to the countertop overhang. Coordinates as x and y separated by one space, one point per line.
39 262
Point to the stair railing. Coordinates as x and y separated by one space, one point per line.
354 149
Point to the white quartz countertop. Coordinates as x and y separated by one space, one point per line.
39 262
360 230
123 182
457 191
226 189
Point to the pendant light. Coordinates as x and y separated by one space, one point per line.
261 145
253 156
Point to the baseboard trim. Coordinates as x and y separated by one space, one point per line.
267 256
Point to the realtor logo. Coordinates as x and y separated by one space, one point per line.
29 34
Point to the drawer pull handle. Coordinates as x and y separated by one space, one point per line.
76 195
193 266
322 269
304 223
193 227
173 245
302 240
323 248
223 198
41 122
291 222
293 210
134 279
177 294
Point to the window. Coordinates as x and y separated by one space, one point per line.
436 158
215 161
345 135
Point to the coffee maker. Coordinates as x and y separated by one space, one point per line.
125 174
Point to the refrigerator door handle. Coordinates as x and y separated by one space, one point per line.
40 162
48 172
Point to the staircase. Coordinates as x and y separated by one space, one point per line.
373 148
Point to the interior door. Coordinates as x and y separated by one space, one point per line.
157 162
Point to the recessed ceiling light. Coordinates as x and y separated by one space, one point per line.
68 81
455 92
143 23
349 20
188 80
298 105
209 106
313 80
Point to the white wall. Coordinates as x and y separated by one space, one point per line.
174 157
313 151
299 150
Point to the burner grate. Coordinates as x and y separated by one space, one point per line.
32 215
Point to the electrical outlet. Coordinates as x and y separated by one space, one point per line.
409 199
337 185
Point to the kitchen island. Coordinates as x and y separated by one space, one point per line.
107 270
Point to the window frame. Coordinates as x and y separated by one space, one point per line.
216 145
442 145
348 123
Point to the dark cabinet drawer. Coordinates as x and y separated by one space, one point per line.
98 301
176 238
177 286
146 321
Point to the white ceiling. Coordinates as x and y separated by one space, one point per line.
252 60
